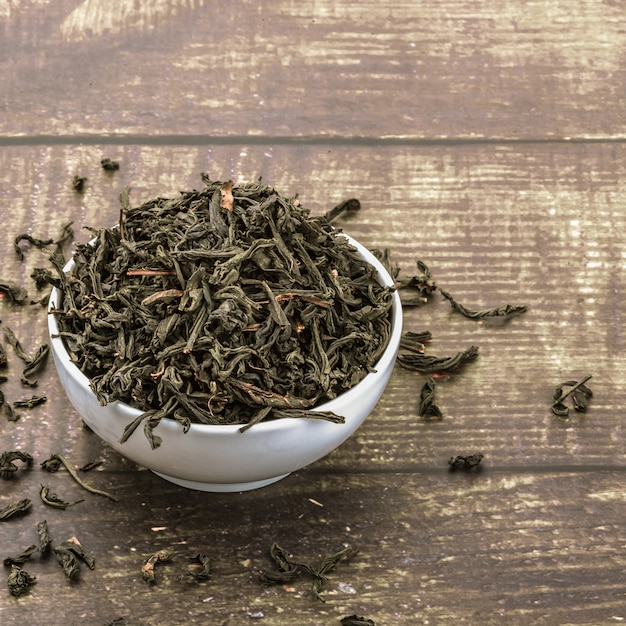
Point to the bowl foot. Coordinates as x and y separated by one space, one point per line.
221 487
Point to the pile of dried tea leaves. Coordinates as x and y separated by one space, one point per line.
227 305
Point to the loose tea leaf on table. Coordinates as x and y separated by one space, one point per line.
33 241
29 403
17 294
467 462
421 283
68 554
7 465
57 460
429 364
200 569
147 570
427 407
194 303
51 499
15 508
21 558
579 392
33 363
354 620
44 537
289 569
19 581
506 310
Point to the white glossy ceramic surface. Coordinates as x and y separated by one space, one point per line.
220 458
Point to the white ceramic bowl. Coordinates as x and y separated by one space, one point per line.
220 458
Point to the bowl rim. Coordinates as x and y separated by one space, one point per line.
386 360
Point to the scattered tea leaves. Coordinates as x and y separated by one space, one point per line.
415 342
288 569
68 554
421 284
78 183
329 563
33 363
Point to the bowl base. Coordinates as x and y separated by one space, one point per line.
221 487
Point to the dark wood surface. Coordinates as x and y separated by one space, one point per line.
486 139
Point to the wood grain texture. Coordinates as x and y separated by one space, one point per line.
485 139
423 69
535 536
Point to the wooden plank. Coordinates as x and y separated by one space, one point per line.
548 69
490 547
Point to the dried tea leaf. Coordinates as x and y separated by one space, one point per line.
19 581
30 402
354 620
17 294
430 364
147 570
44 537
8 467
199 570
427 407
51 499
506 310
465 461
57 460
15 508
21 558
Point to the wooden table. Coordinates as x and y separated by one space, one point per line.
487 140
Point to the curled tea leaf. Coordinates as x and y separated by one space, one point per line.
17 294
428 408
147 570
430 364
15 508
19 581
199 570
44 537
54 463
8 467
354 620
465 461
51 499
21 558
506 310
580 396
